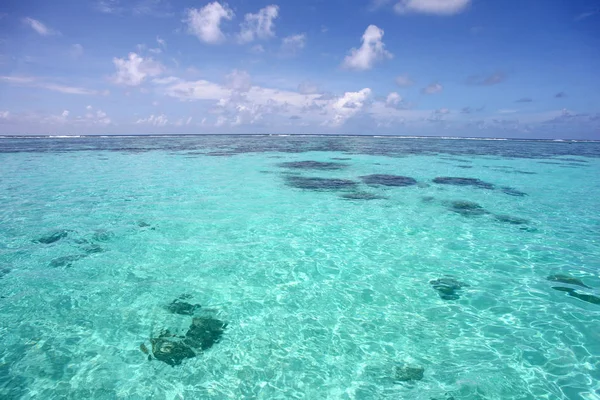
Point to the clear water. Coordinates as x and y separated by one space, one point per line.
324 297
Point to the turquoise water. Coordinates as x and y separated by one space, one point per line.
324 294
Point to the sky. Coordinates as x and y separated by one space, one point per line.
474 68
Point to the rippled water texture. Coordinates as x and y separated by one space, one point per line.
224 267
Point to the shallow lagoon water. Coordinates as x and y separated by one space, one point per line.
331 292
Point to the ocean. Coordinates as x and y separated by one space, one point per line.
299 267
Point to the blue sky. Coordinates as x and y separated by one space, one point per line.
511 68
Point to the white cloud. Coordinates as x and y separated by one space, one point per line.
371 50
4 114
91 117
259 25
205 23
108 6
433 88
239 81
135 69
436 7
507 111
196 90
404 81
155 120
308 88
36 82
161 42
347 106
257 49
393 99
39 27
293 44
76 50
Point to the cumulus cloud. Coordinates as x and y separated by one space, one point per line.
393 99
404 81
433 88
154 120
205 23
486 80
133 70
260 25
434 7
371 50
293 44
39 27
94 117
349 105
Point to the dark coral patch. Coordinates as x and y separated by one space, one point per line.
448 288
512 191
444 180
4 272
407 373
581 296
65 261
102 235
341 158
316 165
320 184
568 280
204 332
467 208
53 237
168 349
183 308
388 180
362 196
511 220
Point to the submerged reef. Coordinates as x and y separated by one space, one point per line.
65 261
511 220
388 180
319 184
512 191
581 296
467 208
317 165
182 308
172 349
408 373
362 196
568 280
202 334
463 182
448 288
53 237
